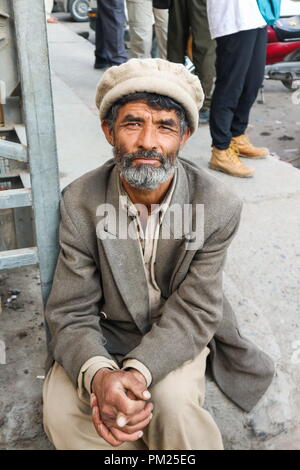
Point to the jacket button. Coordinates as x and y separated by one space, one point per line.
103 315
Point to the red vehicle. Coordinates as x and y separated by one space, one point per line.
283 49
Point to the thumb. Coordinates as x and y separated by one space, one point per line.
121 420
137 387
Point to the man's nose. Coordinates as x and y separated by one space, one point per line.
147 138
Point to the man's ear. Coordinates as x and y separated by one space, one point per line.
185 137
108 132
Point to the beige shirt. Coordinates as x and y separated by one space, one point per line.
147 228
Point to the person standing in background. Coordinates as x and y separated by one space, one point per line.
110 47
140 19
241 35
190 16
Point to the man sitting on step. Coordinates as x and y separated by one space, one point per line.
137 305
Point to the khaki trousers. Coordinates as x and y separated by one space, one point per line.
140 19
179 422
48 7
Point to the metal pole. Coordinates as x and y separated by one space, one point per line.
34 69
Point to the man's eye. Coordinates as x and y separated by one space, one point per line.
165 128
133 124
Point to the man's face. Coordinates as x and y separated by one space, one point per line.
146 144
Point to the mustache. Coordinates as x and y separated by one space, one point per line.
145 154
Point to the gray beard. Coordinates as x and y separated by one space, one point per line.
145 176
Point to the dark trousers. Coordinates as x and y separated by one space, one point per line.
187 16
110 47
241 59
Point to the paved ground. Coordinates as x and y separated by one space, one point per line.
262 272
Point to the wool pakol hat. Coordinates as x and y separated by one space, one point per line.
152 76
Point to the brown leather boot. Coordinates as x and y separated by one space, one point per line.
228 161
246 149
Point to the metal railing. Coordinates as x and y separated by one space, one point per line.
40 152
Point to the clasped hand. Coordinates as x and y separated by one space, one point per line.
120 410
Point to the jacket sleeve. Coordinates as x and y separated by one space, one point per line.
192 313
72 311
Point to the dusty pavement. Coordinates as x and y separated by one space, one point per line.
22 329
262 276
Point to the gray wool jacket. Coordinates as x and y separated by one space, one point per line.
99 271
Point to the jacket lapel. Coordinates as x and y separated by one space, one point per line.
171 251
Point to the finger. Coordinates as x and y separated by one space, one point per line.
136 387
93 400
96 416
121 420
109 413
105 433
125 437
138 417
137 427
131 395
102 430
126 406
107 419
